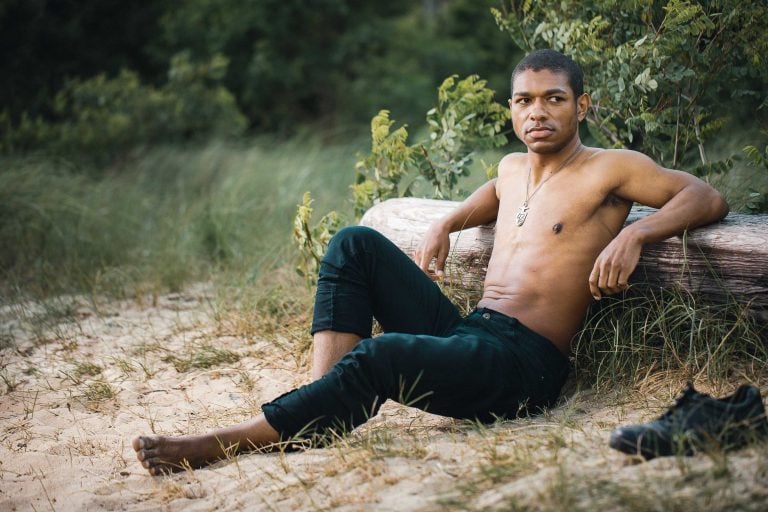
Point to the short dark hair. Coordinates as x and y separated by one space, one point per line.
552 61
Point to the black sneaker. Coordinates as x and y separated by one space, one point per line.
697 421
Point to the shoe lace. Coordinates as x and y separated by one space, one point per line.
683 398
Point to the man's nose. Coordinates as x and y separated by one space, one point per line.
538 112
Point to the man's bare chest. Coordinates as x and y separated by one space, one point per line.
558 211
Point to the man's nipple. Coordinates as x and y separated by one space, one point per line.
557 228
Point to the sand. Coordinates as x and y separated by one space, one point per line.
79 380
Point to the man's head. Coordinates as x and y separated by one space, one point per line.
547 101
552 61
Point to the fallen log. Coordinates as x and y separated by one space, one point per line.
722 263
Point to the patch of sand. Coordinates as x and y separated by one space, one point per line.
76 390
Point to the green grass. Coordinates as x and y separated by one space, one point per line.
163 218
668 332
202 357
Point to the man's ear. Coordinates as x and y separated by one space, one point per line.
582 106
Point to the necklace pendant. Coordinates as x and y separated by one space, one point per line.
522 214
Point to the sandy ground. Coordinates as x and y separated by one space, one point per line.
78 386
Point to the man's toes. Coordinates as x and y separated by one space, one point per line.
157 467
145 454
153 465
144 442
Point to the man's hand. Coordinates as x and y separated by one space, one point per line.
434 245
614 265
683 200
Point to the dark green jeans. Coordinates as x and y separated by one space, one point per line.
485 366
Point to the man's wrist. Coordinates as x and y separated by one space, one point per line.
444 225
636 233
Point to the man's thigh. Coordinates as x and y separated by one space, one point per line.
466 375
364 275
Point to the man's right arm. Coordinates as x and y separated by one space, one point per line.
480 208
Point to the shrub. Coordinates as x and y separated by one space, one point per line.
103 118
664 76
465 119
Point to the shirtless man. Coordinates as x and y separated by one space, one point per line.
559 243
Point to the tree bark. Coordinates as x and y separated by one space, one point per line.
724 262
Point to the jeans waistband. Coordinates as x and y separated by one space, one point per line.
503 321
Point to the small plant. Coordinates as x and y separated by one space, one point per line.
10 381
758 200
202 357
124 365
86 369
246 382
312 240
466 119
99 391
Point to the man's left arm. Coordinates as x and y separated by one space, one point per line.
684 202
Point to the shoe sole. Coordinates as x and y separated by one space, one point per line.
692 441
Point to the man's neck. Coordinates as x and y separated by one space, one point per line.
544 164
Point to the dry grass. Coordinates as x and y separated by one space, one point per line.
73 394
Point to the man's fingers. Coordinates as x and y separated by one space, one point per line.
613 279
440 262
593 280
421 259
610 285
612 269
623 279
602 281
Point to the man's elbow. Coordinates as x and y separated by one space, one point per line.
718 206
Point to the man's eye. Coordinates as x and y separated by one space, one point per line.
556 99
523 101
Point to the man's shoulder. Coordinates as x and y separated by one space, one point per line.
512 162
617 156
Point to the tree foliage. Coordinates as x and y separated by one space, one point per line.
757 201
330 62
45 43
102 117
664 75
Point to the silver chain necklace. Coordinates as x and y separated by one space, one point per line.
523 210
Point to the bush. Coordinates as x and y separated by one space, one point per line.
664 76
103 118
465 119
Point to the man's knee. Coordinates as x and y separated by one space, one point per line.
354 237
350 242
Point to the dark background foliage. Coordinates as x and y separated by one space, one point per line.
290 61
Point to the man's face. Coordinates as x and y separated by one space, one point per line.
545 113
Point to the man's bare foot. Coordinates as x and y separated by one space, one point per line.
162 454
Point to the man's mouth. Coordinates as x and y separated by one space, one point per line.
539 131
